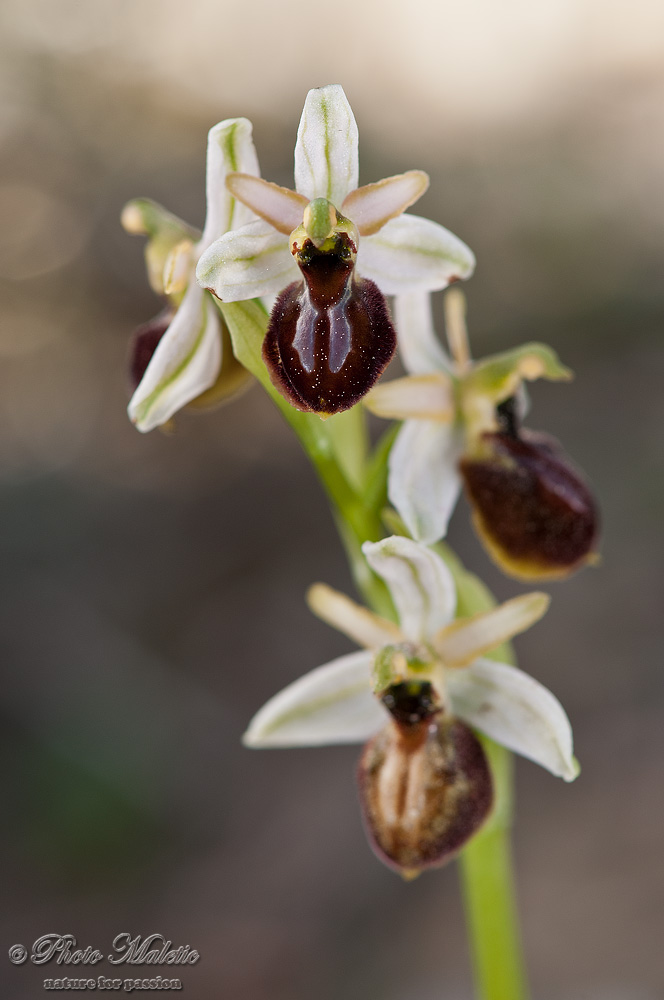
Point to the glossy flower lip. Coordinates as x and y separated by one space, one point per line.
398 252
533 511
188 361
338 703
330 336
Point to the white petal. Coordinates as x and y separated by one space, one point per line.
247 263
419 397
414 254
326 152
358 623
279 206
465 640
515 710
371 206
420 583
423 483
230 148
185 363
332 704
421 351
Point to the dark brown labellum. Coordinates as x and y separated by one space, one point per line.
425 788
533 511
330 336
144 343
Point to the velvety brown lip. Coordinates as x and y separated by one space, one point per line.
330 335
532 508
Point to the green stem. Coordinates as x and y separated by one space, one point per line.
355 485
486 863
488 889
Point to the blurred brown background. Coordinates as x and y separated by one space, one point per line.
152 586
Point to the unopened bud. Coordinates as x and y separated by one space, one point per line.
133 219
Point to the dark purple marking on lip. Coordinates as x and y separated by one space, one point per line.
330 335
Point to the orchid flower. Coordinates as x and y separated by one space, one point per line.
335 249
184 355
531 508
413 690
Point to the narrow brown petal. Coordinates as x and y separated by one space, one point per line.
425 788
533 511
330 336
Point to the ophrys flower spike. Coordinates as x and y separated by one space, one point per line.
428 693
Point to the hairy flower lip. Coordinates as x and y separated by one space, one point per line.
532 508
330 336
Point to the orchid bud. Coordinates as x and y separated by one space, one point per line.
424 780
165 233
330 335
532 510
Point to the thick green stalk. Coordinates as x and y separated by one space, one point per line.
355 485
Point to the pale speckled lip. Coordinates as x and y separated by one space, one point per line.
444 768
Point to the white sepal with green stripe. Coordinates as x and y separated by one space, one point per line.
420 583
186 362
326 152
188 358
